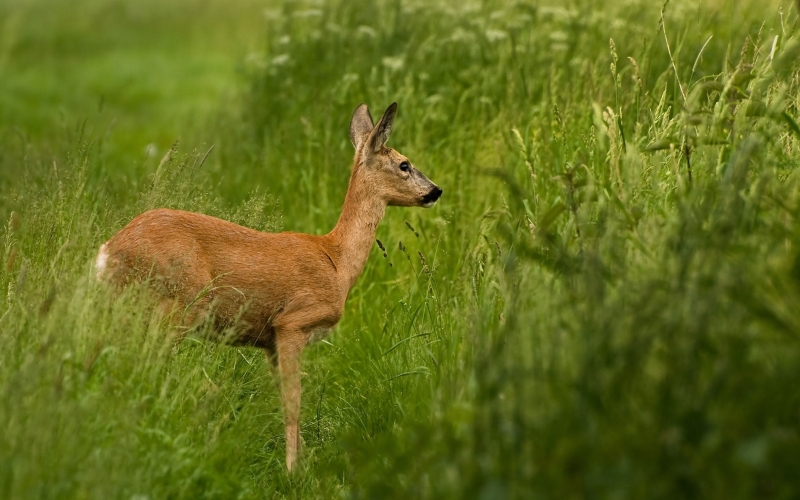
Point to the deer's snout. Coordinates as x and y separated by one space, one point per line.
430 199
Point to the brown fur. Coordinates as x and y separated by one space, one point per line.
278 291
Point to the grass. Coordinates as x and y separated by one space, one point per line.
603 304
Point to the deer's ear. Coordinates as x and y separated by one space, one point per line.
360 125
380 134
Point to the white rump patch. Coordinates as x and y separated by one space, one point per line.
101 262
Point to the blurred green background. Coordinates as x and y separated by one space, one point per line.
602 305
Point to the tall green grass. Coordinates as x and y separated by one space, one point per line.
603 303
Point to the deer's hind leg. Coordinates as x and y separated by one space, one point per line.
171 319
181 317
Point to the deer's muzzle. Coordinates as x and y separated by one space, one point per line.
429 199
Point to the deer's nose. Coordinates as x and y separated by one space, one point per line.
432 196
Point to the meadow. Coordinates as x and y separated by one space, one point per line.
603 304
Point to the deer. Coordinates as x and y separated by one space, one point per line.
275 291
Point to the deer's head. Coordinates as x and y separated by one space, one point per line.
387 173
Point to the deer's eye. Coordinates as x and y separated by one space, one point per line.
405 167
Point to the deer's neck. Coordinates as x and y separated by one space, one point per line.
354 234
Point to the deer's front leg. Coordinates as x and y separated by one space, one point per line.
290 346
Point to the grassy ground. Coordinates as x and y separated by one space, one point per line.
135 75
603 304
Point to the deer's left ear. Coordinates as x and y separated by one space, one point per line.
380 134
360 125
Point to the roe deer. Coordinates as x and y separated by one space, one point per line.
278 291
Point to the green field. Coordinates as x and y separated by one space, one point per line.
604 304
